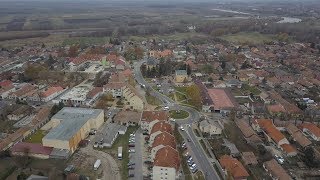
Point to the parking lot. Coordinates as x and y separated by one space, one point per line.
163 86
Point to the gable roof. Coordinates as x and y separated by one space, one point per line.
167 157
154 115
233 166
31 148
270 129
51 90
298 135
165 139
311 127
276 170
161 126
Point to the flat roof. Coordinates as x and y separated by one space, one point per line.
78 93
72 119
221 99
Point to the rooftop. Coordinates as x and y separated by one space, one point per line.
181 72
249 158
71 120
161 126
298 135
32 148
276 170
271 130
167 157
165 139
312 128
221 99
233 166
77 93
154 115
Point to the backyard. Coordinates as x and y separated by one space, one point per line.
36 137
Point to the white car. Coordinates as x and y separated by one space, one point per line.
131 151
166 108
181 128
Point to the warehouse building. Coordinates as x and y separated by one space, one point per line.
71 125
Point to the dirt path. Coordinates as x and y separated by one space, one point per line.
109 166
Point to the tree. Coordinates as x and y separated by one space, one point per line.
223 64
73 51
207 68
210 79
245 65
144 70
309 157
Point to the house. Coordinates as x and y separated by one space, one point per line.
160 141
298 136
51 93
21 92
271 132
116 89
93 95
20 112
223 100
249 158
289 150
148 118
181 76
249 134
133 98
158 128
6 87
233 167
276 109
160 54
275 170
211 127
127 118
31 149
166 164
311 130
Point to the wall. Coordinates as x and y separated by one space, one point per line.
163 173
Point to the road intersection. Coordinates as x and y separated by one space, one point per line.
199 154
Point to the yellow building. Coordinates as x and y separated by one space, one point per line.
71 125
181 76
133 98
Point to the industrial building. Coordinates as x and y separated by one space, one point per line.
71 125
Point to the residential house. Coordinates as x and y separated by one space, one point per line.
233 167
249 158
233 83
51 93
133 98
298 136
20 112
166 164
272 133
160 141
149 117
31 149
93 95
158 128
152 62
21 92
211 127
311 129
275 170
181 76
249 134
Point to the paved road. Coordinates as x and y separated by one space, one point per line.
194 146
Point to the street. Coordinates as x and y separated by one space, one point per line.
194 145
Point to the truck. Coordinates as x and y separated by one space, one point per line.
97 164
120 152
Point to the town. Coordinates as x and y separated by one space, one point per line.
160 108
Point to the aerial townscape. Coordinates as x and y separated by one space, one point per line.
154 90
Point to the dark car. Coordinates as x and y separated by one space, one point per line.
131 145
131 175
147 162
145 133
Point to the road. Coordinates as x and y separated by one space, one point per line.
194 145
138 174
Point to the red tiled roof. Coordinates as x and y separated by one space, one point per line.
270 129
51 91
276 108
32 148
94 92
288 148
276 170
233 166
165 139
23 90
127 72
5 83
220 99
161 126
154 115
167 157
311 127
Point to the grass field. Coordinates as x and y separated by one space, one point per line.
153 100
252 38
179 114
37 137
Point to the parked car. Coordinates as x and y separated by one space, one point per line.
131 145
188 140
131 175
95 145
147 162
194 170
132 151
145 133
131 167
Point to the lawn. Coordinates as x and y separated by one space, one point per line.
181 89
153 100
36 137
122 140
180 96
246 37
179 114
250 89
